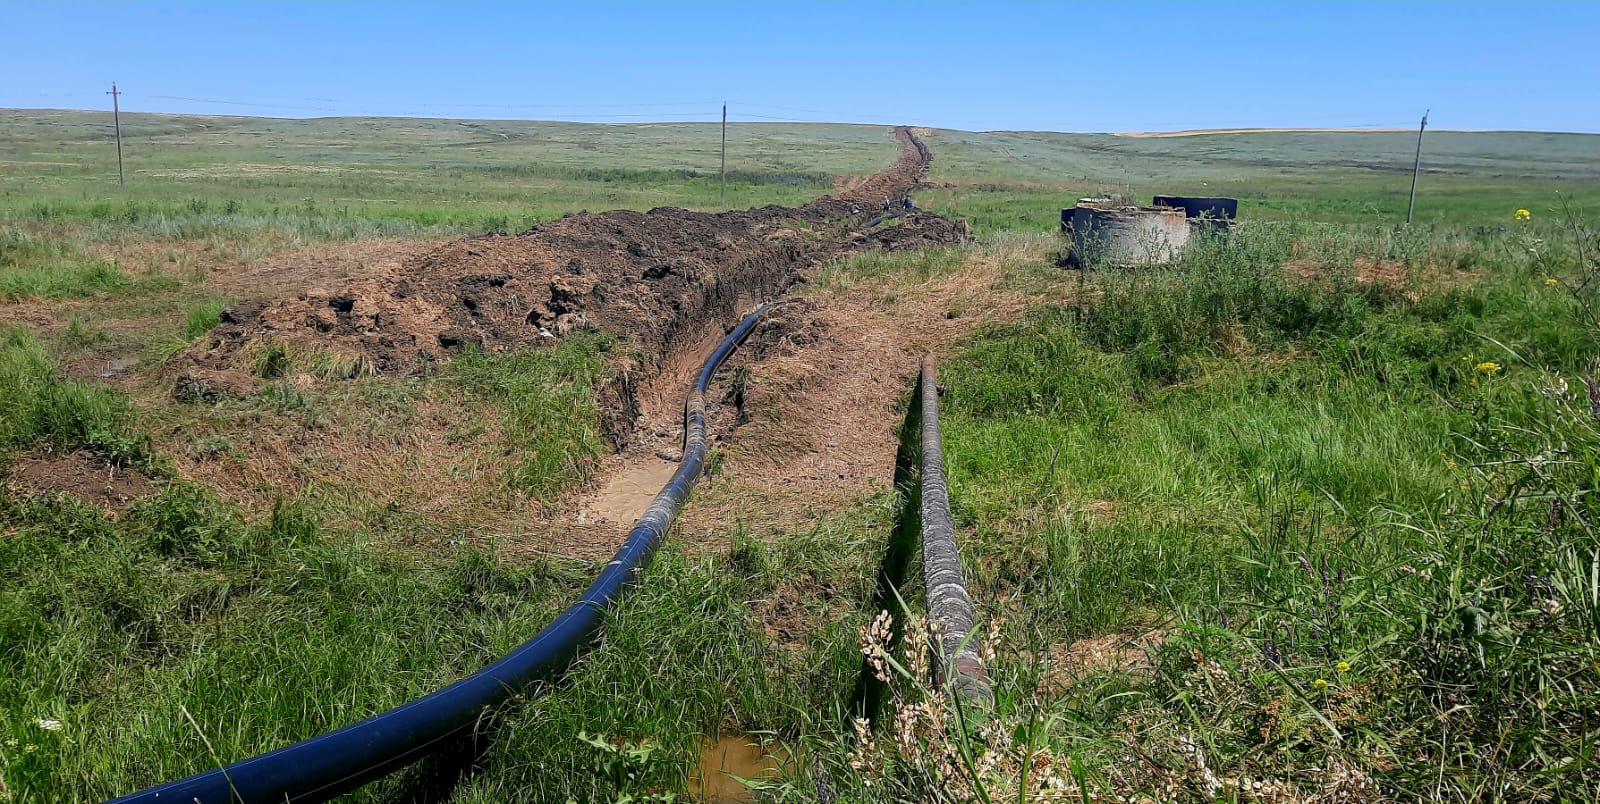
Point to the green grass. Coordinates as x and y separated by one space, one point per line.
1291 481
1276 474
1015 180
550 416
124 630
36 267
37 407
198 177
1242 427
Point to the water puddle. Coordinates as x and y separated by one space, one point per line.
625 496
732 754
117 365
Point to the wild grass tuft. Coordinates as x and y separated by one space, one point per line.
81 333
546 397
202 317
37 406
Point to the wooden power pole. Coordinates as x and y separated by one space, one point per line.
722 173
116 118
1416 167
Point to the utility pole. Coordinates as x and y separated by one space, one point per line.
1416 167
116 117
723 172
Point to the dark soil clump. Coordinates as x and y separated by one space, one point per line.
83 475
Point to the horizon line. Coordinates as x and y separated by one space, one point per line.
1172 133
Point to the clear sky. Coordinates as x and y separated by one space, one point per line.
1065 66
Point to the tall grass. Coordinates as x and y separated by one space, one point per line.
118 631
38 407
549 411
37 267
1350 524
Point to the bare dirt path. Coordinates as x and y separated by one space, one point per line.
822 408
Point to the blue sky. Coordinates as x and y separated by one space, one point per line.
1065 66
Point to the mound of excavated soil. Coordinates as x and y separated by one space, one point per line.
659 279
83 475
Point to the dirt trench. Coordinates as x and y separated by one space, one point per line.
664 281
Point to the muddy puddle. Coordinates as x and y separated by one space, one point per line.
117 365
628 492
728 756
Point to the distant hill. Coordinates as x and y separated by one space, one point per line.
1039 155
1482 154
466 173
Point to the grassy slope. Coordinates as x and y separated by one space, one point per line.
1353 517
1148 457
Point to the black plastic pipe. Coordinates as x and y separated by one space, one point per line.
322 767
882 218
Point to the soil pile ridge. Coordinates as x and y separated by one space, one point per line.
660 279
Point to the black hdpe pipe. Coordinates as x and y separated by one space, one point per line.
882 218
325 766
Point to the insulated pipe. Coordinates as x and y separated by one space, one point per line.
957 664
322 767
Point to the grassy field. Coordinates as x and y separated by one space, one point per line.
1017 180
1306 517
343 177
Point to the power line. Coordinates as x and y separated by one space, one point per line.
770 117
232 103
386 102
369 103
585 112
835 116
780 108
422 109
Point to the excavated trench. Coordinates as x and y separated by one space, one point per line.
663 281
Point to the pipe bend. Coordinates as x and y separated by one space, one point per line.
321 767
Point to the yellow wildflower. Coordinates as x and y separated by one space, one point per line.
1550 280
1488 367
1320 684
1343 667
1522 215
